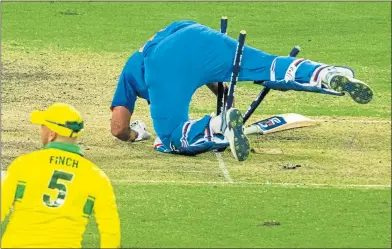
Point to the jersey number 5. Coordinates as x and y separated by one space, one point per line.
61 187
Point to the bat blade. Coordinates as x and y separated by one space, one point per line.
279 123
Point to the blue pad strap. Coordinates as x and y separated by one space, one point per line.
196 148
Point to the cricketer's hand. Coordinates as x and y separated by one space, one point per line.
140 127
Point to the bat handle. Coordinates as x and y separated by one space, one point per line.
223 25
295 51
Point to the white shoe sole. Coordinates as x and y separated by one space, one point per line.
358 90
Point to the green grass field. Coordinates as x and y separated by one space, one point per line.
339 197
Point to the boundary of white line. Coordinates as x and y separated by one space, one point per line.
383 186
256 183
223 167
353 121
171 171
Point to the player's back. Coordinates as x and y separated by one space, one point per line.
54 197
165 32
133 71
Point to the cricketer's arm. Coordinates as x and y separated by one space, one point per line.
214 88
106 214
119 124
8 189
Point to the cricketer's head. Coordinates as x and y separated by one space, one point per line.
59 122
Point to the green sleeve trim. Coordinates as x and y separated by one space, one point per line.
19 193
88 207
73 148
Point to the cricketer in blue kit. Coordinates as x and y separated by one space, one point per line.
185 56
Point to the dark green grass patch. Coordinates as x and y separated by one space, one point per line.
176 216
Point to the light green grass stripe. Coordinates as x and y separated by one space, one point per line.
163 182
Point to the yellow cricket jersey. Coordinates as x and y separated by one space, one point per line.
53 192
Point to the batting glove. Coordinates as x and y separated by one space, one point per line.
140 127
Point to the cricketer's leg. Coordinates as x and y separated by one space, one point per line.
192 137
260 66
188 140
342 79
218 50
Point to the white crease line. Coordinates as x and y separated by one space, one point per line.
353 121
223 167
169 171
258 183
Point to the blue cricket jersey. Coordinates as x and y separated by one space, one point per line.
132 83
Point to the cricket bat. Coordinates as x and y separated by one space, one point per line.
278 123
